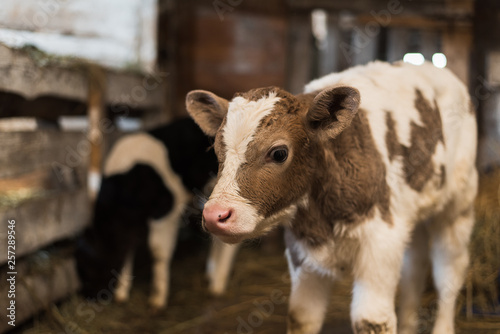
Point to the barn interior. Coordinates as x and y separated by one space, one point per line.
77 76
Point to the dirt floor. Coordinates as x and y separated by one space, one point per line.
260 277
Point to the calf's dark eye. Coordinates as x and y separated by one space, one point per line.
279 154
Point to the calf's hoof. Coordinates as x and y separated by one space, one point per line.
216 289
157 303
369 327
300 326
120 297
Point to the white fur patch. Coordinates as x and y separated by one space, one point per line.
243 119
143 148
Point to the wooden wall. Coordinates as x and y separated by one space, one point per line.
226 51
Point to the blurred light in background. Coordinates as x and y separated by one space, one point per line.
319 21
414 58
439 60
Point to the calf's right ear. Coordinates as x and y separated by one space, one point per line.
207 109
333 110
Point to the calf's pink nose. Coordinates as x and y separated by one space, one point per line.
215 215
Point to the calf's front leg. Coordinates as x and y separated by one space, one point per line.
219 265
308 299
376 275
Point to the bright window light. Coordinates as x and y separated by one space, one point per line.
439 60
414 58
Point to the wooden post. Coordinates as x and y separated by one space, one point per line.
429 43
397 43
96 115
366 44
484 94
299 52
456 45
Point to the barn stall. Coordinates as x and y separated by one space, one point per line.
76 76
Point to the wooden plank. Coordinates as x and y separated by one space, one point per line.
19 124
43 220
422 7
36 181
31 74
41 280
415 21
24 152
86 29
42 186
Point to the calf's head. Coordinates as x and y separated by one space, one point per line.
267 142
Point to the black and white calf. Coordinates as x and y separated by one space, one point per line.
365 165
148 180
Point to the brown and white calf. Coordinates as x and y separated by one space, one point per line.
371 171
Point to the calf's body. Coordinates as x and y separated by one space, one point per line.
371 171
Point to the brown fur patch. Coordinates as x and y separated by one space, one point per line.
272 187
355 177
367 327
220 148
417 158
349 182
258 93
310 226
394 148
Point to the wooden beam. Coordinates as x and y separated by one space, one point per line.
24 152
41 279
421 7
415 22
96 115
44 218
30 78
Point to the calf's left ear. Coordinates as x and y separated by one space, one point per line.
207 109
333 110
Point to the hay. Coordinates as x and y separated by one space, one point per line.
482 279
